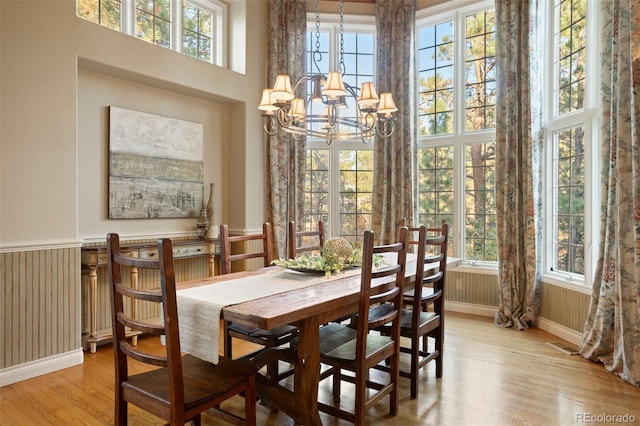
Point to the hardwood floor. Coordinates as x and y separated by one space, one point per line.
492 376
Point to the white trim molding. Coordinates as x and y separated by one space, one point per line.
29 370
565 333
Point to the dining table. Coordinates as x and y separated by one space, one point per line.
267 298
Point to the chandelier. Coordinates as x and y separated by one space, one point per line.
346 114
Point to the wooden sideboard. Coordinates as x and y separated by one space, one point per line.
95 256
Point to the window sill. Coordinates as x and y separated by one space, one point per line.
569 283
477 268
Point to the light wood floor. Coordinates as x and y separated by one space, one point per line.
492 376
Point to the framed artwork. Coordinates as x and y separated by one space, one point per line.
156 166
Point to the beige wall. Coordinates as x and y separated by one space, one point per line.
56 83
96 91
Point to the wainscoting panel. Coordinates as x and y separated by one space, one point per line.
40 302
185 269
565 309
564 306
472 288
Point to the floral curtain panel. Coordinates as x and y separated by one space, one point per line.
518 146
285 156
394 157
612 329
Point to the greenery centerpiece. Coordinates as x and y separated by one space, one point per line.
336 255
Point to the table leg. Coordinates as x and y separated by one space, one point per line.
301 404
307 370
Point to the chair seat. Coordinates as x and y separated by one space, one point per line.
338 342
277 333
333 335
407 314
202 380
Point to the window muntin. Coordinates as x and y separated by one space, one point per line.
480 205
316 193
480 71
435 183
570 36
569 199
193 27
197 32
103 12
436 79
356 192
153 21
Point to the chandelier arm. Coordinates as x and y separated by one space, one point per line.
387 129
284 118
271 125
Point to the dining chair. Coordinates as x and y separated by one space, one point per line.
348 348
183 386
262 249
418 322
304 241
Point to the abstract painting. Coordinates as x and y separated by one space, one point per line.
156 166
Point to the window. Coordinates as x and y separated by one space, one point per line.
568 196
103 12
153 21
456 128
193 27
339 176
570 46
435 75
571 142
197 34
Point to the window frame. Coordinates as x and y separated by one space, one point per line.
460 138
590 118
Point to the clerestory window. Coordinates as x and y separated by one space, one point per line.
193 27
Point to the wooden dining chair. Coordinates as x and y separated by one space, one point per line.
181 387
354 348
419 323
304 241
267 338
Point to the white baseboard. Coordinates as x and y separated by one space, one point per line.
554 328
39 367
571 336
468 308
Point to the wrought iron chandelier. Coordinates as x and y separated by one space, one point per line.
347 114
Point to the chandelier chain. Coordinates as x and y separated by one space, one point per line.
342 67
317 56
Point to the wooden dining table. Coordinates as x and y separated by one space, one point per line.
307 308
